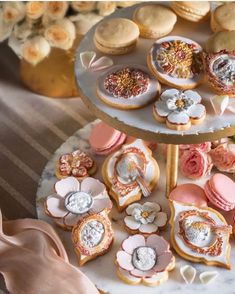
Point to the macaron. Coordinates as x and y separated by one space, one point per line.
192 10
219 190
189 194
116 36
154 20
223 18
224 40
105 139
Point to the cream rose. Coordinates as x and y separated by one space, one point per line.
223 157
84 22
195 164
13 11
106 7
5 29
61 34
83 6
35 50
35 9
56 9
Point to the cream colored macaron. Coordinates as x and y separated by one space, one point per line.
223 18
154 20
221 41
192 10
116 36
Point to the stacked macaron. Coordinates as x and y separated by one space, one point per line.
220 190
105 139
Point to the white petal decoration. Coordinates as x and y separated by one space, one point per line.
193 95
87 58
153 206
219 103
169 94
188 273
64 186
196 111
161 108
208 277
178 118
161 219
131 223
101 63
131 207
148 228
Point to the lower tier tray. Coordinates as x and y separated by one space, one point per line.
102 271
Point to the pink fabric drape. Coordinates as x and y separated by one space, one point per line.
33 260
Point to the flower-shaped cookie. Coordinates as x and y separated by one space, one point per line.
73 200
179 109
145 260
145 219
77 164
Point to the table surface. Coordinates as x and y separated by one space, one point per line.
102 270
32 127
140 123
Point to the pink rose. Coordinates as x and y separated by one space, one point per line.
204 147
195 164
223 157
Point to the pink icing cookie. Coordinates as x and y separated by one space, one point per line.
189 193
105 139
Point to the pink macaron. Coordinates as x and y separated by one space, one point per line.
220 191
189 194
105 139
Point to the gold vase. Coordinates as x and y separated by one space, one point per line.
54 76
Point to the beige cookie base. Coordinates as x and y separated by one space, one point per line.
190 257
127 107
178 127
224 40
133 232
82 259
133 198
166 82
91 172
115 50
189 13
215 27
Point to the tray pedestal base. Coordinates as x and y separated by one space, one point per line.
171 167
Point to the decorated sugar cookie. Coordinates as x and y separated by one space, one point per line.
144 260
145 219
200 234
179 109
220 70
75 199
176 62
127 87
77 164
92 236
130 173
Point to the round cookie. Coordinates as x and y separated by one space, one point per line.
154 20
127 87
190 194
177 62
192 10
223 18
116 36
220 72
224 40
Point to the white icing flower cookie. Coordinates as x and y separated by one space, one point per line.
179 109
200 234
130 173
92 236
127 87
176 62
145 219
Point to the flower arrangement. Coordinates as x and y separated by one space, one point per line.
34 27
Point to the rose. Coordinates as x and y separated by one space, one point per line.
223 157
106 7
83 6
35 9
61 34
56 9
35 50
13 11
195 163
204 147
84 22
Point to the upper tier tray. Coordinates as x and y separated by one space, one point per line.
140 123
